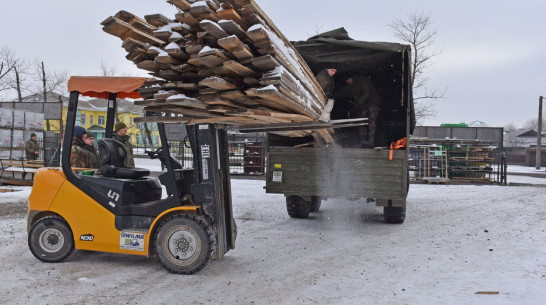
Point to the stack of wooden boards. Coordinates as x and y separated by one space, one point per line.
220 62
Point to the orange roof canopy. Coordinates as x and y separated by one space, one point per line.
101 86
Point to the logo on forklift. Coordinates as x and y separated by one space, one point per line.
131 241
113 195
87 237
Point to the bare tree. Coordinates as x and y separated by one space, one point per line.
106 69
532 124
50 81
510 127
7 64
416 32
17 79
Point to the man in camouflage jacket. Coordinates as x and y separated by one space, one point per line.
78 154
120 134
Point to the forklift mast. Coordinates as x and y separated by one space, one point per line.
212 187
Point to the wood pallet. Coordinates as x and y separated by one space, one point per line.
220 62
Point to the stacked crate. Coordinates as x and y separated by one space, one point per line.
16 126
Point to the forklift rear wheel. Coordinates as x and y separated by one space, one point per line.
394 214
184 243
297 207
315 204
50 239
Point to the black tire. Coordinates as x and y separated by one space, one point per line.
315 204
50 239
394 214
184 243
297 207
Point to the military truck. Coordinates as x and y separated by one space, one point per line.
359 165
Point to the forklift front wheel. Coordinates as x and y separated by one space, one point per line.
184 243
50 239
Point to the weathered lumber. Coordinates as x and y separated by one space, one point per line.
223 61
124 30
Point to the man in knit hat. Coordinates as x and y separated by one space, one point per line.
120 134
78 155
91 151
32 148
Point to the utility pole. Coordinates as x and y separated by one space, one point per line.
539 134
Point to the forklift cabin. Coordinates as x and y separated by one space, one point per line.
122 209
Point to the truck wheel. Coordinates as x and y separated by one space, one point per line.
297 207
50 239
315 204
184 243
394 214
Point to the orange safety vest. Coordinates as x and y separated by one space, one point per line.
400 144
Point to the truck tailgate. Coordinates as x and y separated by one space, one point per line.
337 172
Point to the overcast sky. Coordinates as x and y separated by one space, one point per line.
493 60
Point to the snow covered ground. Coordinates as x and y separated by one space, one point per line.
457 240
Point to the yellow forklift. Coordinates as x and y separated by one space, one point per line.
122 210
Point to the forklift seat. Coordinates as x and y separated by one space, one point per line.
112 161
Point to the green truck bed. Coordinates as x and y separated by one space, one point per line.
337 172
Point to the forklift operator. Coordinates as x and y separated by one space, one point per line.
120 134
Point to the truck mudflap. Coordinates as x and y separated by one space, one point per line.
339 172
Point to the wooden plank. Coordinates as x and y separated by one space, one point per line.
161 119
157 20
186 102
229 43
232 28
124 30
211 61
196 113
164 95
220 109
201 10
217 101
281 99
243 52
187 18
148 103
149 65
251 81
224 120
135 21
239 69
183 5
213 28
232 14
177 53
130 44
265 63
165 58
182 85
214 51
217 83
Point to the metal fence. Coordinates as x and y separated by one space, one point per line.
449 161
245 158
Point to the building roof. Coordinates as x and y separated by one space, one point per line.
39 98
521 133
99 104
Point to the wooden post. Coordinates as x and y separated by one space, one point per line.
539 134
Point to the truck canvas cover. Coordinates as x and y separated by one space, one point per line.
386 64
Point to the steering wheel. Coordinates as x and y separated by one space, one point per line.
155 154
